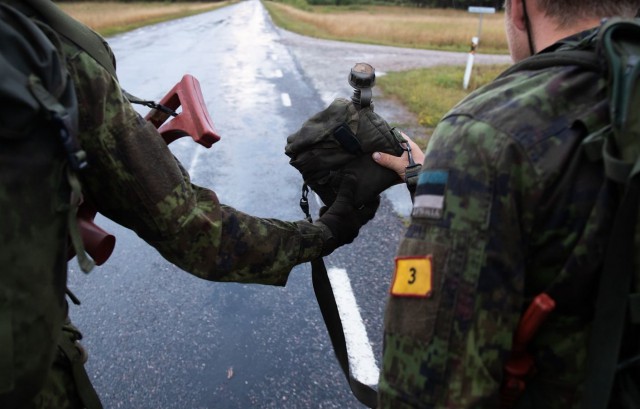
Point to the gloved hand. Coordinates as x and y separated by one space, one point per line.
342 218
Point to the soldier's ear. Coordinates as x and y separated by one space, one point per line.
516 13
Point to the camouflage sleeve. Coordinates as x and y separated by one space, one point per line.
458 287
134 180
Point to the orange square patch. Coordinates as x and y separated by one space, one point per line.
413 277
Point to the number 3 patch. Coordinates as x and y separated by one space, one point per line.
413 277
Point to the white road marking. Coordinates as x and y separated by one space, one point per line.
286 100
362 362
194 161
319 201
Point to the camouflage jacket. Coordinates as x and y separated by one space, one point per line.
507 206
135 180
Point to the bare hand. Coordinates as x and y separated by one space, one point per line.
399 164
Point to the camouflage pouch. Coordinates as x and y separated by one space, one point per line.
342 138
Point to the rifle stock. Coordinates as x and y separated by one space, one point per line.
193 120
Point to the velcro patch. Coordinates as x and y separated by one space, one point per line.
430 194
347 139
413 277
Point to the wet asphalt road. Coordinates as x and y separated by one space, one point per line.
160 338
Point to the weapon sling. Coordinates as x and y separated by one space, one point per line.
331 316
329 309
326 299
611 303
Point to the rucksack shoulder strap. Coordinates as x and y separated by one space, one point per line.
78 33
619 45
582 58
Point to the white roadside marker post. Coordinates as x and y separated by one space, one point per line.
481 11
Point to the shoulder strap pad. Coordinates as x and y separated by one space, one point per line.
582 58
76 32
619 44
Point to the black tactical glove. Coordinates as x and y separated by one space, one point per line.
342 218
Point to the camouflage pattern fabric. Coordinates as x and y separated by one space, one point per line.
148 191
506 205
34 203
134 180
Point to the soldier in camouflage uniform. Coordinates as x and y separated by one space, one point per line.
134 180
507 205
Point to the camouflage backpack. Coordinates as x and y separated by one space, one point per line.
613 378
38 160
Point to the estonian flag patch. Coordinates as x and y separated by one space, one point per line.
430 192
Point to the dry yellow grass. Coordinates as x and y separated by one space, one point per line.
399 26
111 17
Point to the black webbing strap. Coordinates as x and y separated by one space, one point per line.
331 316
327 303
611 302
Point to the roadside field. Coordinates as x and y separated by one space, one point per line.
434 29
110 17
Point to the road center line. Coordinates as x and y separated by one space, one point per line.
194 161
286 100
362 362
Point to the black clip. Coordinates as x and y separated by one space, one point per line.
304 202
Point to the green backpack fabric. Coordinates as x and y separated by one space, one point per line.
613 378
38 122
341 139
614 350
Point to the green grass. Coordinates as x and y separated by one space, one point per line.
430 93
434 29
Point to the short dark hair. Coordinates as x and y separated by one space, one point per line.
565 12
